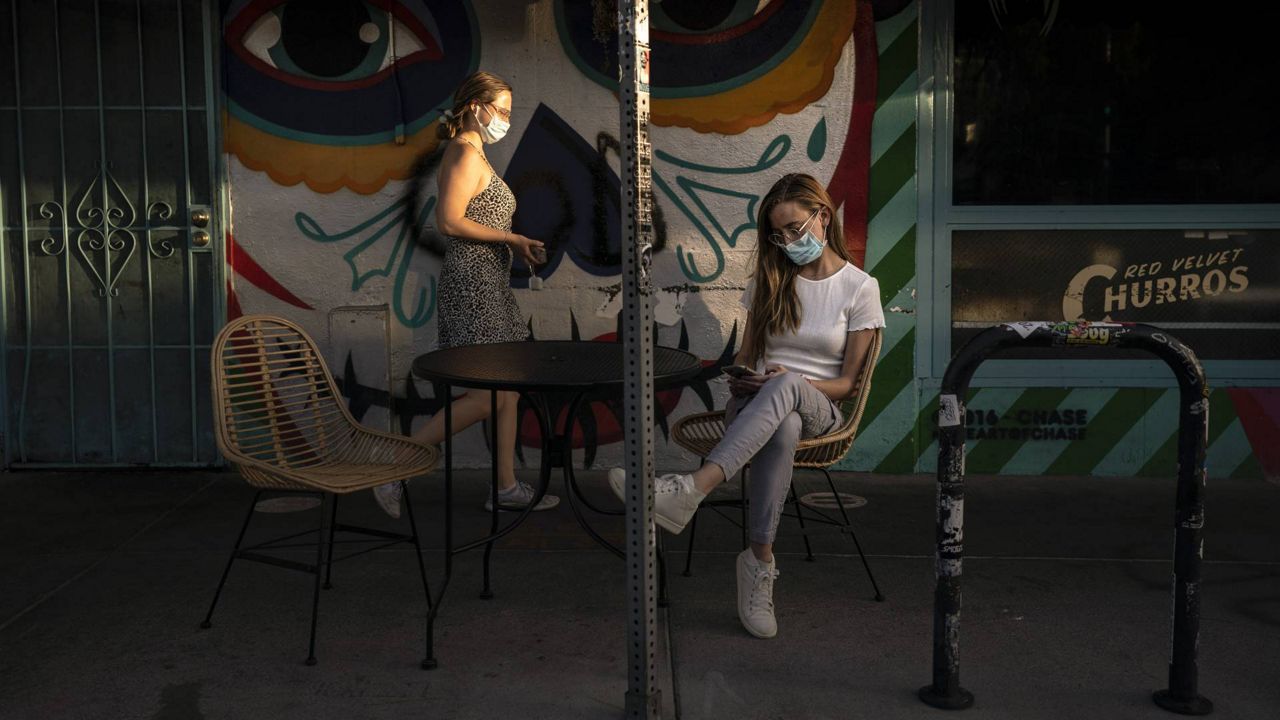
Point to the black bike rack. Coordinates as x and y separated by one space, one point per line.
1182 695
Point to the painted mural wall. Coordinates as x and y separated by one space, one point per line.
329 105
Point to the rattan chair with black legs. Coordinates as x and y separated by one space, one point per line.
282 423
701 432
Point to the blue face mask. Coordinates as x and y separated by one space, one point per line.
806 249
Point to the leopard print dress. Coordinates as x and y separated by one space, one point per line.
476 304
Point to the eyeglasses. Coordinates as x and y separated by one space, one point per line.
791 233
500 112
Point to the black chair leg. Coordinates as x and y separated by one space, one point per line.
315 595
849 526
333 525
742 497
808 549
417 546
486 593
870 575
688 553
208 618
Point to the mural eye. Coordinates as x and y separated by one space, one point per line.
294 69
728 65
336 41
703 16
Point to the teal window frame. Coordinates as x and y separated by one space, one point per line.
938 218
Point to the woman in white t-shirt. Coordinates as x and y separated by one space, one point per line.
810 323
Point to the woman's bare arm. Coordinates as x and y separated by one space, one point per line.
845 386
463 174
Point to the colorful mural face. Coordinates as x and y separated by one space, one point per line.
330 103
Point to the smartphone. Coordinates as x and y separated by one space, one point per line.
738 371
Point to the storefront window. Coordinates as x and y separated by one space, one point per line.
1216 290
1115 103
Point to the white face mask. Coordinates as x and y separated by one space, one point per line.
495 130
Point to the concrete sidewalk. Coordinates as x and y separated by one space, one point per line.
1066 614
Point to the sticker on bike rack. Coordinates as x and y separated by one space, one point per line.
1199 407
1024 329
1086 333
948 411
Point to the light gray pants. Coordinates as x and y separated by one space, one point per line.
764 430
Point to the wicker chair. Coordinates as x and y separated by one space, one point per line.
282 423
701 432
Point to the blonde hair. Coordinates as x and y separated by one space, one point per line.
774 308
479 87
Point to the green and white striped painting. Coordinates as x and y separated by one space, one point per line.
1016 431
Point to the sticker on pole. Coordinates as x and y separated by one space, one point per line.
643 68
948 411
1024 329
1086 333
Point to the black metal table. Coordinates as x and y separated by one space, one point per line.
538 370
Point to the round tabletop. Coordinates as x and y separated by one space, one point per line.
556 365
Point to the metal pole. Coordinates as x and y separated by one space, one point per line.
189 255
66 227
218 174
5 440
643 694
25 229
147 254
109 289
1182 696
945 692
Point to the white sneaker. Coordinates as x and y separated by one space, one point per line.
755 595
389 496
675 498
518 496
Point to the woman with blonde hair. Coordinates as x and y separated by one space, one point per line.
811 319
475 304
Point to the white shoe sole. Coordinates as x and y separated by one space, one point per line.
552 504
389 506
754 633
668 525
617 481
745 582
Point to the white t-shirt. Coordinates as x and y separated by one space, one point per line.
831 308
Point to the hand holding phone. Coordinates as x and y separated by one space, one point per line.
738 371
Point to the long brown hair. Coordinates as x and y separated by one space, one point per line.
479 87
774 308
